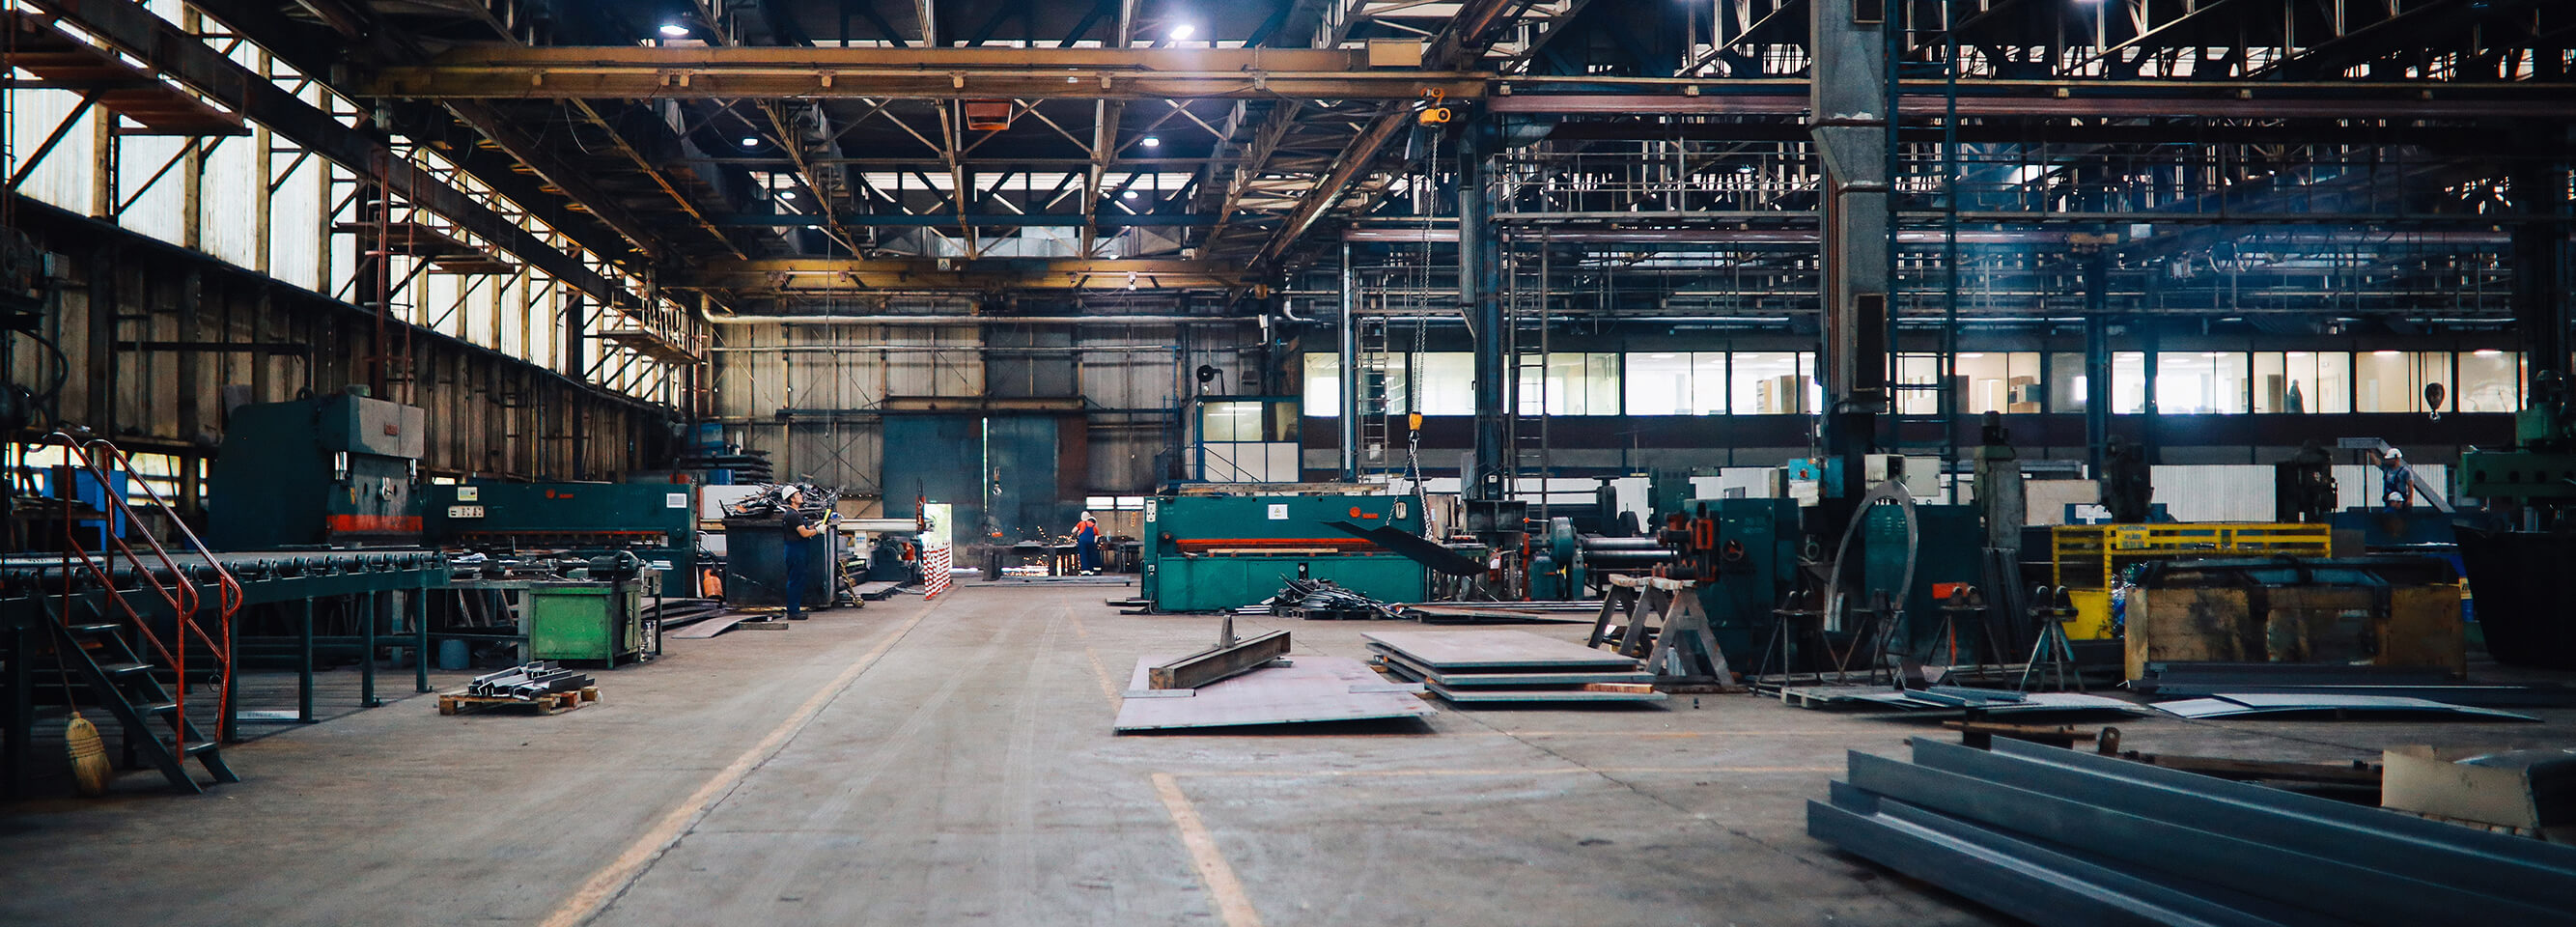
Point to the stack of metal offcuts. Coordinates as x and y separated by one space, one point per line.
535 679
2058 836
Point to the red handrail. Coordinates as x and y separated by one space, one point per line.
181 595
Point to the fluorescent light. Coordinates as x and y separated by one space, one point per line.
1660 356
1153 142
786 194
2487 352
675 30
1183 31
1971 355
2385 353
1127 194
751 141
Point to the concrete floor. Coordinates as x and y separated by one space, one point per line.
951 762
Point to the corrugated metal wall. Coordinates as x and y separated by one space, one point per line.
812 405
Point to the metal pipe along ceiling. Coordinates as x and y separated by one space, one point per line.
978 320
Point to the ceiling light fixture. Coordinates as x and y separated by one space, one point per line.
1153 142
1127 194
751 141
675 30
786 194
1183 31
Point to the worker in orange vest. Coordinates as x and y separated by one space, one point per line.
1086 544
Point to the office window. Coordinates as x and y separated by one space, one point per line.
1999 381
1917 370
1575 384
1448 382
2200 382
2067 382
2490 381
2294 382
2393 381
1660 383
1323 390
2128 382
1773 383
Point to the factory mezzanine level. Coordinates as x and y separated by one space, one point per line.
1286 462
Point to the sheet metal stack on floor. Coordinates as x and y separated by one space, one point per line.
1511 666
2057 836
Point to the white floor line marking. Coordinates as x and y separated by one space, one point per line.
605 884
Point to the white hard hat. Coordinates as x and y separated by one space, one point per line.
2396 497
1086 516
2395 454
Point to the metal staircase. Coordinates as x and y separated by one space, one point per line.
110 599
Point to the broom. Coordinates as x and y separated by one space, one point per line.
90 769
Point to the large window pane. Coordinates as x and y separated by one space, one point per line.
1660 383
1575 384
2200 382
1770 383
1448 382
1917 370
2128 382
1323 389
2022 393
2067 382
2393 381
1708 383
2305 381
1998 381
2488 382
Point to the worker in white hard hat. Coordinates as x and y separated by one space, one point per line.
1086 544
2396 482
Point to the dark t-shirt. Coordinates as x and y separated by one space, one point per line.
796 540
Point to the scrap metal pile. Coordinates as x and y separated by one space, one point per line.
772 499
1324 600
2058 836
536 679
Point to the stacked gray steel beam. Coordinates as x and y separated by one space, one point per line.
2056 836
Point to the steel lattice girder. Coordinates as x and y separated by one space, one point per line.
847 275
184 58
734 72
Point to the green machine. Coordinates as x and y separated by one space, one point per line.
1756 567
1210 552
337 469
576 620
655 521
591 613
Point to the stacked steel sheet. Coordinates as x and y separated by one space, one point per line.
1510 666
2057 836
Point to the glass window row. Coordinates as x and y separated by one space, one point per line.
2011 382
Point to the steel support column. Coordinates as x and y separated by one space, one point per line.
2097 361
1850 100
1480 260
2540 278
1349 349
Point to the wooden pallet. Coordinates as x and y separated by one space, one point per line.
453 703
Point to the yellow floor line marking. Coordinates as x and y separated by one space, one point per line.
1223 888
1577 770
605 884
1108 689
1101 673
